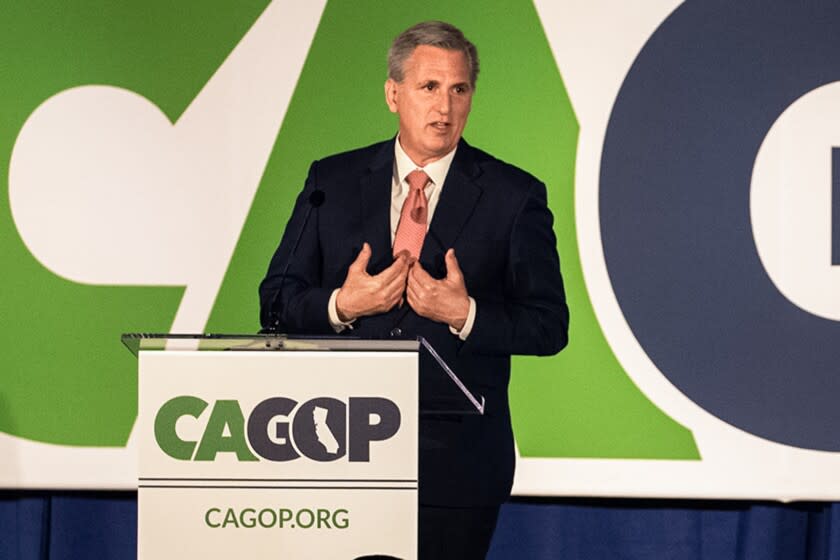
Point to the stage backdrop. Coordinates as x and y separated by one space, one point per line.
151 152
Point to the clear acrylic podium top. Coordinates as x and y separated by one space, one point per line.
136 342
462 400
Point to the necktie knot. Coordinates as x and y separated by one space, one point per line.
417 179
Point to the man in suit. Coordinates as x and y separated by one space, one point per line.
424 235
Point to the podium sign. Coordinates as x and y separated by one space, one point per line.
277 454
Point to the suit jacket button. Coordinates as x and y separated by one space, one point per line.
396 331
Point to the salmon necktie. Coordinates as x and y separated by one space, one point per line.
413 218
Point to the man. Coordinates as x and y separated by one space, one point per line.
461 252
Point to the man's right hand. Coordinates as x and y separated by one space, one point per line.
363 294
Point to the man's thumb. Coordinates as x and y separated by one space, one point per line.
362 258
453 269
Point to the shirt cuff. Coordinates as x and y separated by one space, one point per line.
332 311
468 324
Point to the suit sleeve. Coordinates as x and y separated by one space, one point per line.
292 297
531 317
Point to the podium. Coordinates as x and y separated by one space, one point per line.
266 446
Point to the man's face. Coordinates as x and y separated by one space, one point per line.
433 102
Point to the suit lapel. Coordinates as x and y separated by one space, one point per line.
375 198
457 201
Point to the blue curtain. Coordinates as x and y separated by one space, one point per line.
68 525
102 525
667 530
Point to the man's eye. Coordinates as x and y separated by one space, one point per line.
430 87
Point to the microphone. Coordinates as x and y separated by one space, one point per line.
315 200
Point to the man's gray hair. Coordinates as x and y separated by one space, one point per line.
434 34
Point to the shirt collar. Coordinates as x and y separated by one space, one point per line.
436 170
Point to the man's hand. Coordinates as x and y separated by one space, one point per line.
444 301
363 294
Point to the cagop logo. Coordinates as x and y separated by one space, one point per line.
279 428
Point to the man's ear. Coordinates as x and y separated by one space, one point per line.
391 94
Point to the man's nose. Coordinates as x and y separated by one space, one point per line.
444 103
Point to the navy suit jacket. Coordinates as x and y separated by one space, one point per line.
496 218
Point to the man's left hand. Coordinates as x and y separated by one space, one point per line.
445 300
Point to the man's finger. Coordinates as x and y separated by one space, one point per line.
403 253
362 259
453 269
411 296
418 274
420 285
396 269
395 287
